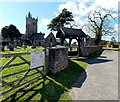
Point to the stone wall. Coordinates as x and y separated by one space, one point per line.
87 50
58 59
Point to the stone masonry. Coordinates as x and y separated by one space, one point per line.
87 50
58 59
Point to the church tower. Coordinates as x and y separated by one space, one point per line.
31 25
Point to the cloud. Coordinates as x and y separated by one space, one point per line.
107 4
117 28
55 13
45 22
42 26
82 7
71 6
2 25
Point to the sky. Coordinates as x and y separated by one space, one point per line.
14 12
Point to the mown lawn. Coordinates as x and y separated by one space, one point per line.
20 49
57 86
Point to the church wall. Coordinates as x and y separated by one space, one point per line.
31 25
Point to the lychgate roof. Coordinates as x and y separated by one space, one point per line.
70 32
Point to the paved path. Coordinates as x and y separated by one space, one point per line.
100 81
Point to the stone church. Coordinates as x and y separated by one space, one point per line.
31 25
31 37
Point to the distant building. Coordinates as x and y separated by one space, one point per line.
30 36
103 42
50 40
37 39
31 25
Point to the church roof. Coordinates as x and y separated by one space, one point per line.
70 32
51 34
37 36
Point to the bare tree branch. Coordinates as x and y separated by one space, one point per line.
99 22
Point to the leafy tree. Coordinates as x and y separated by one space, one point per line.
98 23
63 18
110 43
11 32
5 32
88 36
18 34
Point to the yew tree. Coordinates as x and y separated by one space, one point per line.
62 19
11 32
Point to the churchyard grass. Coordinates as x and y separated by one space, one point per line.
20 49
57 86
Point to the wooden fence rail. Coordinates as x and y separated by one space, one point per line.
32 74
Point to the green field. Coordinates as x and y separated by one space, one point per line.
57 86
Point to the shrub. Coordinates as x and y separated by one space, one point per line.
110 43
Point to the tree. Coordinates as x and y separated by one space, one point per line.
63 18
88 36
5 32
98 22
110 43
11 32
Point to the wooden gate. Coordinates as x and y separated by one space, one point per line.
16 76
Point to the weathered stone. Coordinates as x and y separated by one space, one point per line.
58 59
87 50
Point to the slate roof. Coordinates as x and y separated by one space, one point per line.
70 32
37 36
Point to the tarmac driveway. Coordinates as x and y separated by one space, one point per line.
100 81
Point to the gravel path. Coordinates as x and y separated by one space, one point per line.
100 80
